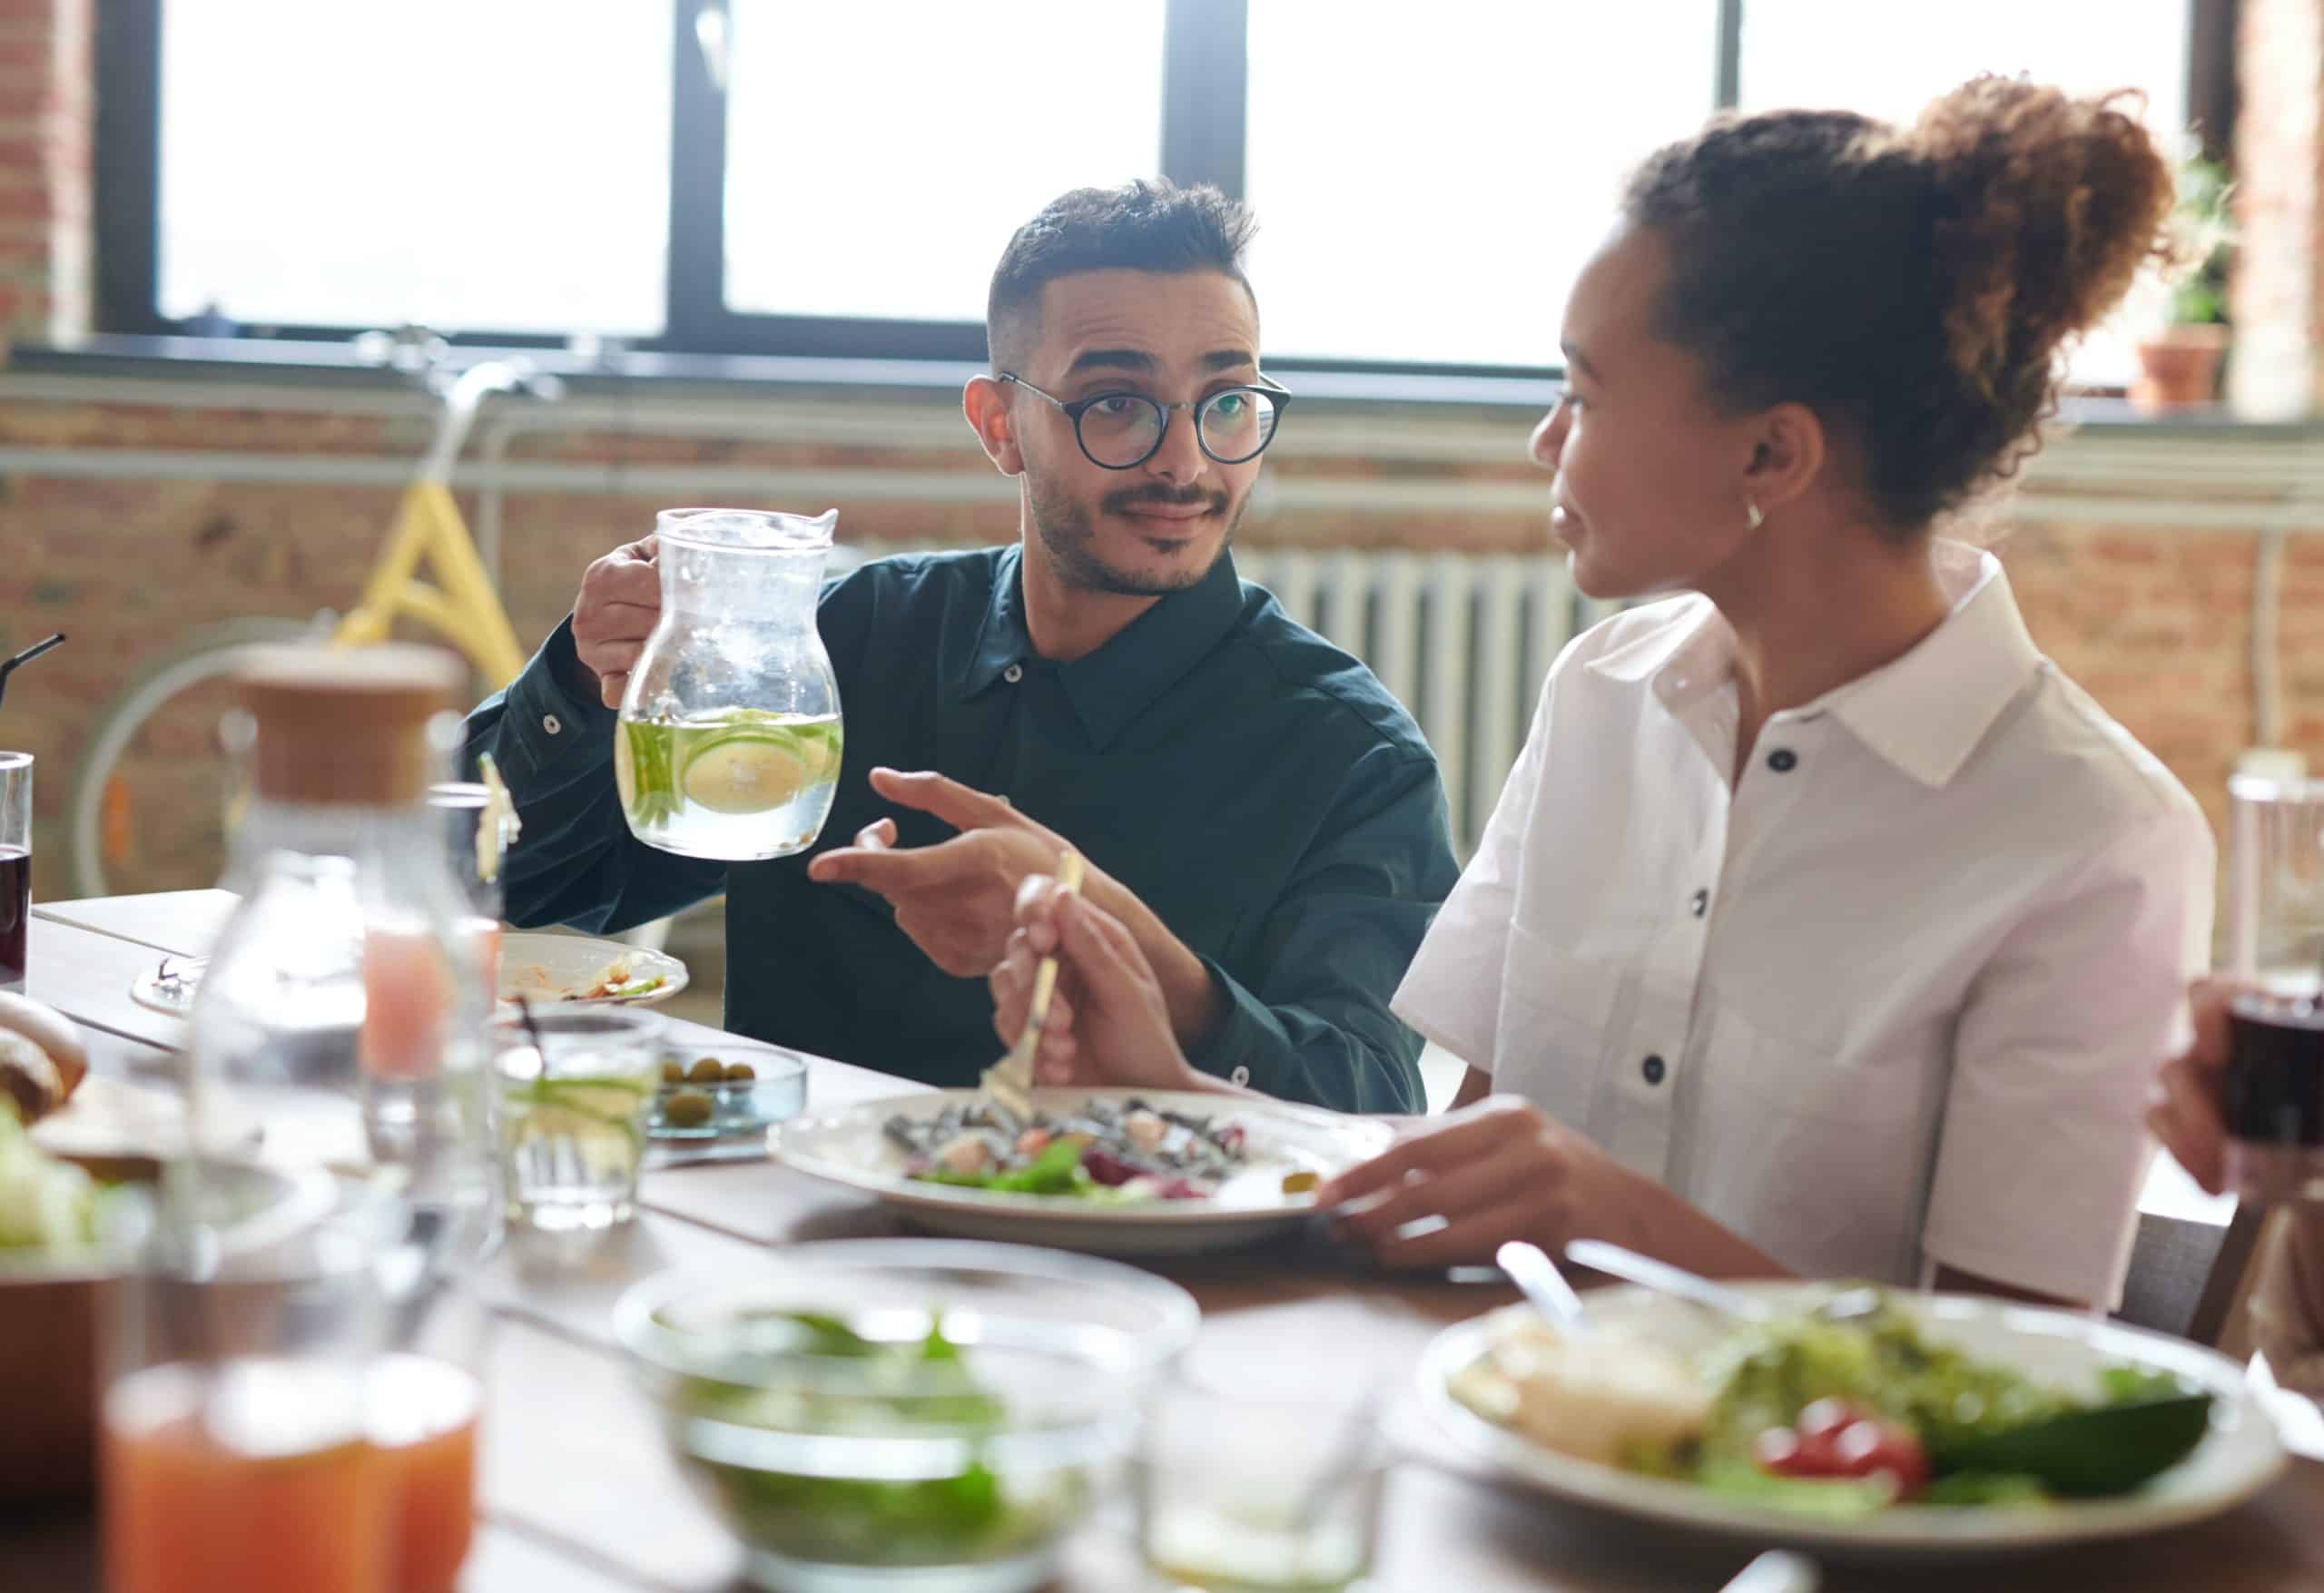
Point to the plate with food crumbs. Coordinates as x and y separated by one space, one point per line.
1109 1171
546 969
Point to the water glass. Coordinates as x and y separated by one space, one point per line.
575 1084
1252 1492
477 834
15 866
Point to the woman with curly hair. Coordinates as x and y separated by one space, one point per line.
1824 927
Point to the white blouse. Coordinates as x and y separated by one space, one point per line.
1894 999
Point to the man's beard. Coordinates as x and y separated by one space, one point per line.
1068 533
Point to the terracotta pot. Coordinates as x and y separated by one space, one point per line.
2178 370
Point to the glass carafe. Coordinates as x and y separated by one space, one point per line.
729 741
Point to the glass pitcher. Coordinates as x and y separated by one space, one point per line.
729 741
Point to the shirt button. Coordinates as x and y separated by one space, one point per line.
1653 1069
1783 760
1240 1075
552 724
1700 904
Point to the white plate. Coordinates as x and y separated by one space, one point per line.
542 968
565 962
850 1147
2241 1456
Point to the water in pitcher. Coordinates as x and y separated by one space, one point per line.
740 783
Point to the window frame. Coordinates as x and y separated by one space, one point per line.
1203 139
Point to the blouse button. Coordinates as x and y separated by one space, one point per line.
1013 673
1241 1075
1783 760
1653 1069
552 724
1700 903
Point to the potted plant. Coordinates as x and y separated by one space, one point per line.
2179 366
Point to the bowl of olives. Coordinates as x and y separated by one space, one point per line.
732 1089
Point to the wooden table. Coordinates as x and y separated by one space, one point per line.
578 1494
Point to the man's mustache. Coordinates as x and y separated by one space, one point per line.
1120 503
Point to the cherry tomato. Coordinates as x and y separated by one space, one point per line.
1832 1440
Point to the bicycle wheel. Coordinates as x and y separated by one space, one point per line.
147 808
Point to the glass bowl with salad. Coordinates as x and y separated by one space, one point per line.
925 1414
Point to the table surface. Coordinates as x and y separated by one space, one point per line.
577 1492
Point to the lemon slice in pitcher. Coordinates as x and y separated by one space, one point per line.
747 774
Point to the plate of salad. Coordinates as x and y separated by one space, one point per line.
1858 1423
1109 1171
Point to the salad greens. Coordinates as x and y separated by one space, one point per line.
1837 1414
825 1379
44 1204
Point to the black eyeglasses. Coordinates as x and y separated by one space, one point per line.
1120 431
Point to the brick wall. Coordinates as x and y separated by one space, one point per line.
2155 620
46 176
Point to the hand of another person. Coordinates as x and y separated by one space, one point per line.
957 900
1499 1170
615 610
2185 1113
1108 1023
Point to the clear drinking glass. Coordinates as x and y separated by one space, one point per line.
15 866
1253 1492
728 744
476 836
2274 1086
575 1086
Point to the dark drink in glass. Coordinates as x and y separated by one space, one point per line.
16 865
15 907
2274 1098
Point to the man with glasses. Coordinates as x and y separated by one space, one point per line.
1250 802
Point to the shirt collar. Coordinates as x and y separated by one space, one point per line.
1925 713
1112 686
1003 639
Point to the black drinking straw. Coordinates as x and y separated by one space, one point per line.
27 656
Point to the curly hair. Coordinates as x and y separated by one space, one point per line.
1917 286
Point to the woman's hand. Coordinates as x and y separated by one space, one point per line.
2185 1114
1108 1022
1499 1170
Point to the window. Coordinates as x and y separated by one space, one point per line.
1427 191
770 176
1890 61
890 194
452 163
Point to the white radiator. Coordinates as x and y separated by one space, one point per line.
1461 639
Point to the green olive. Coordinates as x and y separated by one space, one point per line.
672 1072
686 1108
739 1072
708 1070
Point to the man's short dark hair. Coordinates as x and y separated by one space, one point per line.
1149 225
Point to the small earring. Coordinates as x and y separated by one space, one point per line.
1751 513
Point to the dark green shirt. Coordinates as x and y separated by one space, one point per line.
1253 784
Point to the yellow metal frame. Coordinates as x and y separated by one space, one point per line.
460 604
